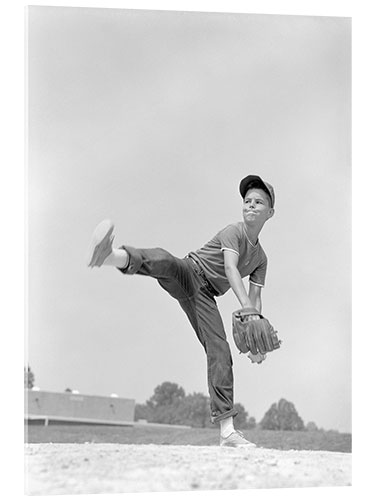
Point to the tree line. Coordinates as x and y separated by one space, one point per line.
169 404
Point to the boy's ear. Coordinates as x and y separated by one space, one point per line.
271 212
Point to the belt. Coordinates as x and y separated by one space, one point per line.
199 270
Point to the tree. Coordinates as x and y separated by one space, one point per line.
311 426
68 389
243 420
29 378
170 405
270 421
194 410
242 415
163 405
142 412
166 394
282 416
251 423
288 417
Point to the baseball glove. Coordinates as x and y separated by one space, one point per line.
252 332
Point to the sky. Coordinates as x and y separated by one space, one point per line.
152 119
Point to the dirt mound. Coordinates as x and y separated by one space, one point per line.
119 468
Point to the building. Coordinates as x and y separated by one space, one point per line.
77 408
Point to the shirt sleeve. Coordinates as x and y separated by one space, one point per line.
229 239
258 276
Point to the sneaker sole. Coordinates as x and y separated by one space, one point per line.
250 445
100 237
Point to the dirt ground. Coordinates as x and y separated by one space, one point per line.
121 468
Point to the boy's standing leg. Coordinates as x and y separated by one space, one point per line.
206 320
179 278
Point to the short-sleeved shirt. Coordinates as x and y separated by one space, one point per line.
252 260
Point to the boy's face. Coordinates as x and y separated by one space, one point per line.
256 207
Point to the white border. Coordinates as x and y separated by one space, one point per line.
12 212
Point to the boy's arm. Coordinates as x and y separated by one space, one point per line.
246 300
255 296
235 280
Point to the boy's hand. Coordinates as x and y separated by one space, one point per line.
253 334
256 358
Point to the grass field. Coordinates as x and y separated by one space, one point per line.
280 440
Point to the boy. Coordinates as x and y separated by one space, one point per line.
195 281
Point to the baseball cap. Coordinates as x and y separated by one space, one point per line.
262 184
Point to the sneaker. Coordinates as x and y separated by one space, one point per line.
101 244
235 440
